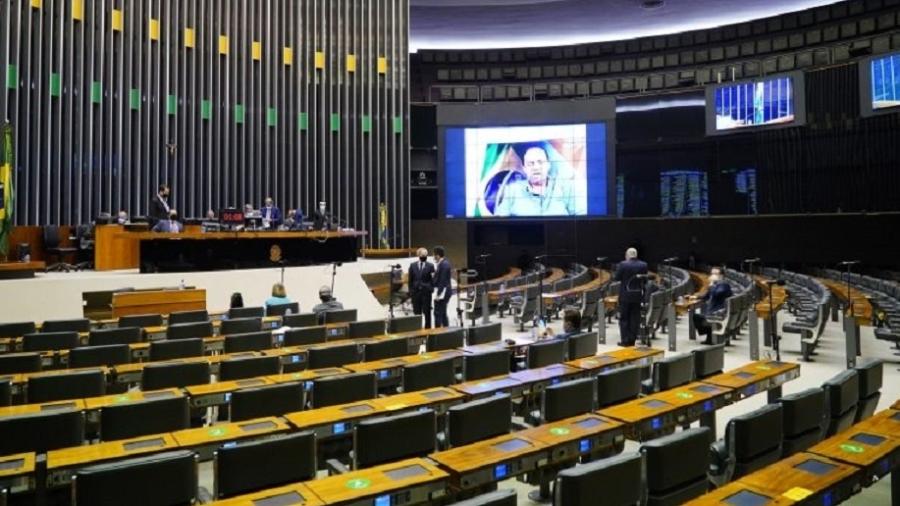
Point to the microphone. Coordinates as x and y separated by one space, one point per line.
849 262
600 260
541 257
484 255
670 260
644 276
752 260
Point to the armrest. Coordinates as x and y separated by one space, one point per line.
721 465
335 466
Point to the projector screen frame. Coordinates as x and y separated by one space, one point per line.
865 87
799 86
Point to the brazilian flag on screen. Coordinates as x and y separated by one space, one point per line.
7 195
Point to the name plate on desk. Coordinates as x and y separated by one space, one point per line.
147 443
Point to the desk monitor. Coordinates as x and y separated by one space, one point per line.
365 328
251 341
141 320
75 325
250 367
673 371
481 334
270 400
17 329
41 432
709 360
479 420
388 348
170 349
485 365
73 385
231 216
15 363
434 373
405 324
376 440
619 385
582 345
343 389
339 316
774 101
282 309
447 340
247 312
133 419
333 356
568 399
188 330
50 341
160 376
240 325
879 78
117 335
499 498
300 320
174 481
95 356
546 353
616 479
195 316
305 335
248 466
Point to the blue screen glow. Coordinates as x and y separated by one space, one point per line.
584 445
886 81
758 103
500 471
339 428
383 500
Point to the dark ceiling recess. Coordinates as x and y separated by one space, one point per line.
650 5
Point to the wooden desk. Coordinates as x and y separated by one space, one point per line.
896 405
412 481
213 436
513 273
577 436
779 297
555 275
305 375
836 480
884 423
19 381
491 460
487 386
96 403
21 270
16 465
219 393
437 398
390 368
44 407
158 301
114 248
62 464
517 384
876 454
756 377
296 494
600 278
537 379
863 312
728 495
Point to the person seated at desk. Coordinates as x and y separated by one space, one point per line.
122 218
715 297
571 326
293 220
171 225
237 301
271 215
279 296
328 303
252 217
211 215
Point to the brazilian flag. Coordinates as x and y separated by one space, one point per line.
7 194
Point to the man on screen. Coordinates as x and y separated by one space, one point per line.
541 192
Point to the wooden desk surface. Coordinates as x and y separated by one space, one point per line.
862 307
17 464
229 431
464 459
298 493
634 353
92 403
896 405
884 423
779 297
422 398
751 373
570 429
544 373
248 234
392 363
854 446
600 277
374 481
110 450
647 407
22 266
23 377
43 407
306 375
334 414
486 385
225 386
136 367
722 495
782 478
513 272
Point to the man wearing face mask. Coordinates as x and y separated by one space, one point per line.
159 205
421 283
715 299
328 303
271 215
122 218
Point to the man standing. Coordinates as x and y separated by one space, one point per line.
421 283
442 289
630 295
271 215
159 205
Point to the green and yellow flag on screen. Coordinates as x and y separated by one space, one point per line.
7 195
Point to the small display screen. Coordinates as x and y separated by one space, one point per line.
501 471
147 443
359 408
588 423
706 389
584 445
339 428
747 498
383 500
744 375
61 405
231 216
868 439
512 445
250 427
655 404
816 467
406 472
287 499
11 464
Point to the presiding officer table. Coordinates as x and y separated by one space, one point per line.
116 248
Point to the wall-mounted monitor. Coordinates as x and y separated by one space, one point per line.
767 102
879 78
684 193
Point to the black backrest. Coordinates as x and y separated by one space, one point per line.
870 376
619 385
254 465
803 411
478 420
446 340
616 479
116 335
140 418
332 390
582 345
338 316
41 432
73 385
159 376
365 328
333 356
270 400
174 481
676 460
709 360
305 335
498 498
74 325
300 320
756 432
481 334
175 348
196 316
15 363
240 368
842 392
434 373
5 392
93 356
240 326
567 399
484 365
141 320
673 371
547 353
251 341
387 348
376 441
189 330
405 324
49 341
281 309
246 312
17 329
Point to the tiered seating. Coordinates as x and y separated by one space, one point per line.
810 302
881 295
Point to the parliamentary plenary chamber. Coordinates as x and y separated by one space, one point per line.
434 252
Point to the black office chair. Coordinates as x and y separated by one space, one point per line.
194 316
159 376
300 320
478 420
804 420
567 399
245 467
842 392
343 389
246 312
119 335
404 324
175 348
388 348
250 367
251 341
449 340
365 328
546 353
73 325
188 330
671 372
505 497
141 320
481 334
152 416
282 309
870 379
424 375
41 432
676 467
17 329
752 441
375 441
582 345
16 363
709 360
304 336
174 481
50 341
619 385
5 392
240 326
53 247
270 400
321 357
338 316
615 481
484 365
95 356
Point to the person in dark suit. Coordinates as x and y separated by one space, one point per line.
159 205
420 279
442 288
630 296
271 215
715 298
169 225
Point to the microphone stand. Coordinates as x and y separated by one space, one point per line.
334 266
459 311
483 260
540 316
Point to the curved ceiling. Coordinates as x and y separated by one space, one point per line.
474 24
